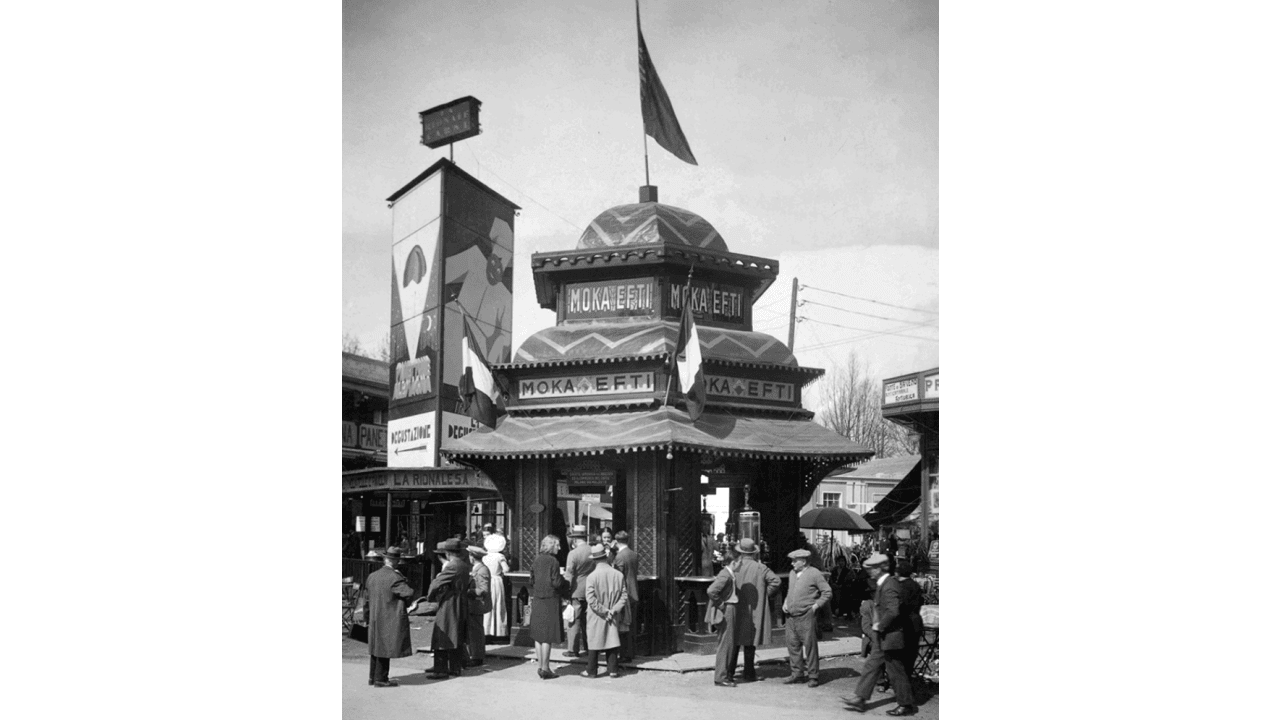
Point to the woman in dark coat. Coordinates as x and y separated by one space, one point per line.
545 623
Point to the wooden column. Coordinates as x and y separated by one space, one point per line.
927 445
387 522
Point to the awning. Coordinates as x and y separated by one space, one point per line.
662 428
901 500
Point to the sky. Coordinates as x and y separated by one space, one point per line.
815 126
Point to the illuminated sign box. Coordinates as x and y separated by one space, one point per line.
450 122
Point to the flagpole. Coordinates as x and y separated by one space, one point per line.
646 152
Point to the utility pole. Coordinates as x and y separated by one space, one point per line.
791 334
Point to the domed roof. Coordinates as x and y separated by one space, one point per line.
647 224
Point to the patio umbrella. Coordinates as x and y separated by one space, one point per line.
834 518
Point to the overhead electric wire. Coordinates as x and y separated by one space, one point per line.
855 312
527 195
878 302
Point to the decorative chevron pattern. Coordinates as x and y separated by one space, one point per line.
648 224
625 339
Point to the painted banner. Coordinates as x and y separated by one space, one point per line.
348 434
609 298
749 389
452 243
580 385
373 437
419 479
456 426
710 301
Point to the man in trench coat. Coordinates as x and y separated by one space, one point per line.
606 593
755 584
449 591
478 603
388 591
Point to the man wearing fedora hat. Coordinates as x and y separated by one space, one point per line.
388 591
478 603
449 590
888 642
607 616
576 569
742 590
807 593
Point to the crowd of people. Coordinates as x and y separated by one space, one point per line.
590 604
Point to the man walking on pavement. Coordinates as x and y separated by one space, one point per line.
888 642
627 562
388 592
807 592
576 569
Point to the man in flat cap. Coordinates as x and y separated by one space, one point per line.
576 569
807 593
388 592
888 642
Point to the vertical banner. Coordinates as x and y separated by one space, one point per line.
452 245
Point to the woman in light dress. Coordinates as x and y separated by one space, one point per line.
495 621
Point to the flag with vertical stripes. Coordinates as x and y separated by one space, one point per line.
478 387
660 121
686 360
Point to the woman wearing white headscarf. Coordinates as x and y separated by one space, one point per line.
495 621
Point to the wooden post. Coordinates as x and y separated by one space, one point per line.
927 444
387 522
791 333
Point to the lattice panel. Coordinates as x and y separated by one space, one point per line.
528 543
684 523
646 547
646 504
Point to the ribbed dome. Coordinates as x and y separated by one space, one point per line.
648 224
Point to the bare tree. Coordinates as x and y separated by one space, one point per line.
849 403
351 344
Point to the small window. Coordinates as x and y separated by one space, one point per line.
830 499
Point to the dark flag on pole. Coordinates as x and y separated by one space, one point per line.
660 121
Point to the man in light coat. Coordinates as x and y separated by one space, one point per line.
888 642
576 568
478 603
627 562
807 593
606 593
388 591
755 585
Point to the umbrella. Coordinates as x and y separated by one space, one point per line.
834 518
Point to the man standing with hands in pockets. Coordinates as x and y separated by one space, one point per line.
807 592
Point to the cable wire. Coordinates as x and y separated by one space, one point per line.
878 302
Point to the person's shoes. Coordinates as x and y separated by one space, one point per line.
625 660
902 710
436 675
475 663
370 681
813 682
571 654
857 704
385 683
726 683
749 677
587 675
546 674
793 680
613 675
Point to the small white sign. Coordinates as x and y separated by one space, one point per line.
593 498
377 523
901 391
359 523
412 442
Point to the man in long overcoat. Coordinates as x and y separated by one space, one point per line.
627 562
606 593
478 603
888 642
449 591
388 591
755 584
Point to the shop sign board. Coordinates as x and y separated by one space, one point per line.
377 523
448 123
412 441
420 479
749 389
710 301
931 386
901 391
348 434
609 298
549 388
373 437
456 425
593 498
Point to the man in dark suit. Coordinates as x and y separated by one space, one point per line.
888 642
388 591
577 567
627 562
478 603
449 591
913 625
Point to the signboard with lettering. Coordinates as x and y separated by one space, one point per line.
348 434
581 385
373 437
450 122
709 300
750 389
412 441
931 386
609 298
901 391
422 479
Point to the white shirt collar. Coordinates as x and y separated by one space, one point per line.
881 579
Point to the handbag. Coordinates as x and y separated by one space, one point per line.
570 613
359 633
